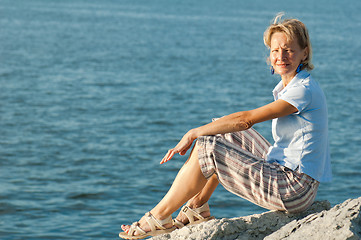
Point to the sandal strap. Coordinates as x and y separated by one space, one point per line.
156 227
134 228
203 208
178 223
196 212
155 223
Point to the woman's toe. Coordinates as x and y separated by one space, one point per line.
125 228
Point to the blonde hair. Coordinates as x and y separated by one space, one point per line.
294 30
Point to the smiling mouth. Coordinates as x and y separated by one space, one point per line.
282 65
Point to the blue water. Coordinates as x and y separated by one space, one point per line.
93 93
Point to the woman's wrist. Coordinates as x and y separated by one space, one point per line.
194 133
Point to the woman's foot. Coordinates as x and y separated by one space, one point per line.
148 225
192 214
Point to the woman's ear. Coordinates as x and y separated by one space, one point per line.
305 53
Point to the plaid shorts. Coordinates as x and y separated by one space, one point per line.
238 159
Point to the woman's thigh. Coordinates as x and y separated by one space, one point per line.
238 161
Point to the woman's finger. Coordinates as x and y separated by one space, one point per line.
168 156
181 148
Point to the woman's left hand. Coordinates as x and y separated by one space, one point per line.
182 147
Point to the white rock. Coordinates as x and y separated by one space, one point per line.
341 222
256 226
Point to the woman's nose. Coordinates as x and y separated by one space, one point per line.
282 54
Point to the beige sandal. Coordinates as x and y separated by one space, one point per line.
194 215
156 228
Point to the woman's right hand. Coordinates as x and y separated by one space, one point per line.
182 147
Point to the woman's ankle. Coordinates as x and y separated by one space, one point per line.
160 215
196 203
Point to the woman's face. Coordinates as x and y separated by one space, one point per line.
285 56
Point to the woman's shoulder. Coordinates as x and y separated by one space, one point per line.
308 84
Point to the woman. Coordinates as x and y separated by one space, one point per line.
284 176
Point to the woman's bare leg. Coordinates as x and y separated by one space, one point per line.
189 182
201 198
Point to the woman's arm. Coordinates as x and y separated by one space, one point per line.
243 120
232 123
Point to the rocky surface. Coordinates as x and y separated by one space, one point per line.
343 221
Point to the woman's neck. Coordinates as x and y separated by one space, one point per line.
287 79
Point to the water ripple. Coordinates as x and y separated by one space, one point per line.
93 95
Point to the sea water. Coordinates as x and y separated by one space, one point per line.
94 93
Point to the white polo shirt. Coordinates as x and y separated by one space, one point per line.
301 139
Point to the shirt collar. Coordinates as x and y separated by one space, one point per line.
279 87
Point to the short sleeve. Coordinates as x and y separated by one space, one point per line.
298 96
